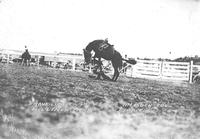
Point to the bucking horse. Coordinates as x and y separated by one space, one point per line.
103 49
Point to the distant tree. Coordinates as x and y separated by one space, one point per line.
195 59
164 59
145 58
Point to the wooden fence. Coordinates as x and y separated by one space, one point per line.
145 68
183 71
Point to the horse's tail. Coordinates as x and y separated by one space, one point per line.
130 61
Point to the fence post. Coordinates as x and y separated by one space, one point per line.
190 71
74 64
54 61
90 68
38 61
161 68
8 58
131 71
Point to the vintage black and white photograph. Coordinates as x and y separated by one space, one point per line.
99 69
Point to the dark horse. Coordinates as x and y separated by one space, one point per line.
26 58
106 51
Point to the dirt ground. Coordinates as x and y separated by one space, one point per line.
49 103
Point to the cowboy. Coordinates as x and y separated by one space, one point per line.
106 40
104 45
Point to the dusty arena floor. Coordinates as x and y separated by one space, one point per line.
59 104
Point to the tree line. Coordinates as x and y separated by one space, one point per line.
195 59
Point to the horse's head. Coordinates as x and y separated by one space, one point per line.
87 56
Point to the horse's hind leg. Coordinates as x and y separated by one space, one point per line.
117 75
113 76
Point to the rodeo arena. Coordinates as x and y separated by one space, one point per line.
98 94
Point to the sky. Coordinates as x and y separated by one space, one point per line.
138 28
